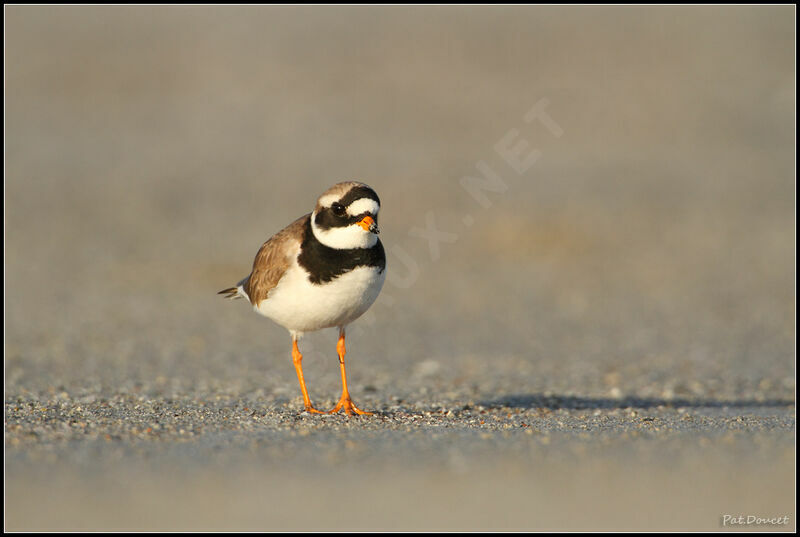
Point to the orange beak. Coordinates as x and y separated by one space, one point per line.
368 223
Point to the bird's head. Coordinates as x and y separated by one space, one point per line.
346 216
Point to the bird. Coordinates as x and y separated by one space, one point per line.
324 270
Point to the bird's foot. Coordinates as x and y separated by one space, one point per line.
311 410
346 404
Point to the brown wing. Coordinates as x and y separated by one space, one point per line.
273 259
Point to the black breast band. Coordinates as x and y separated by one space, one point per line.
324 263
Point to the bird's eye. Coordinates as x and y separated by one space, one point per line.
338 209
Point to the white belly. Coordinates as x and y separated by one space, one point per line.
302 306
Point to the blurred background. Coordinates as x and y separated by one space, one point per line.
647 253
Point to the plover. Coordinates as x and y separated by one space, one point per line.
323 270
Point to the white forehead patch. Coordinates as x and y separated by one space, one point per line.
363 205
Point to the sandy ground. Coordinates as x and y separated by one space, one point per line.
601 336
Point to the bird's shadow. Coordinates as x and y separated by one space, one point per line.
543 402
570 402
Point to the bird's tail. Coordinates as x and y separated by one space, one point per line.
230 292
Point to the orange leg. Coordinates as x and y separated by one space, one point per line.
297 358
345 402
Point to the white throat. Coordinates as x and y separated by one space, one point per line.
343 238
